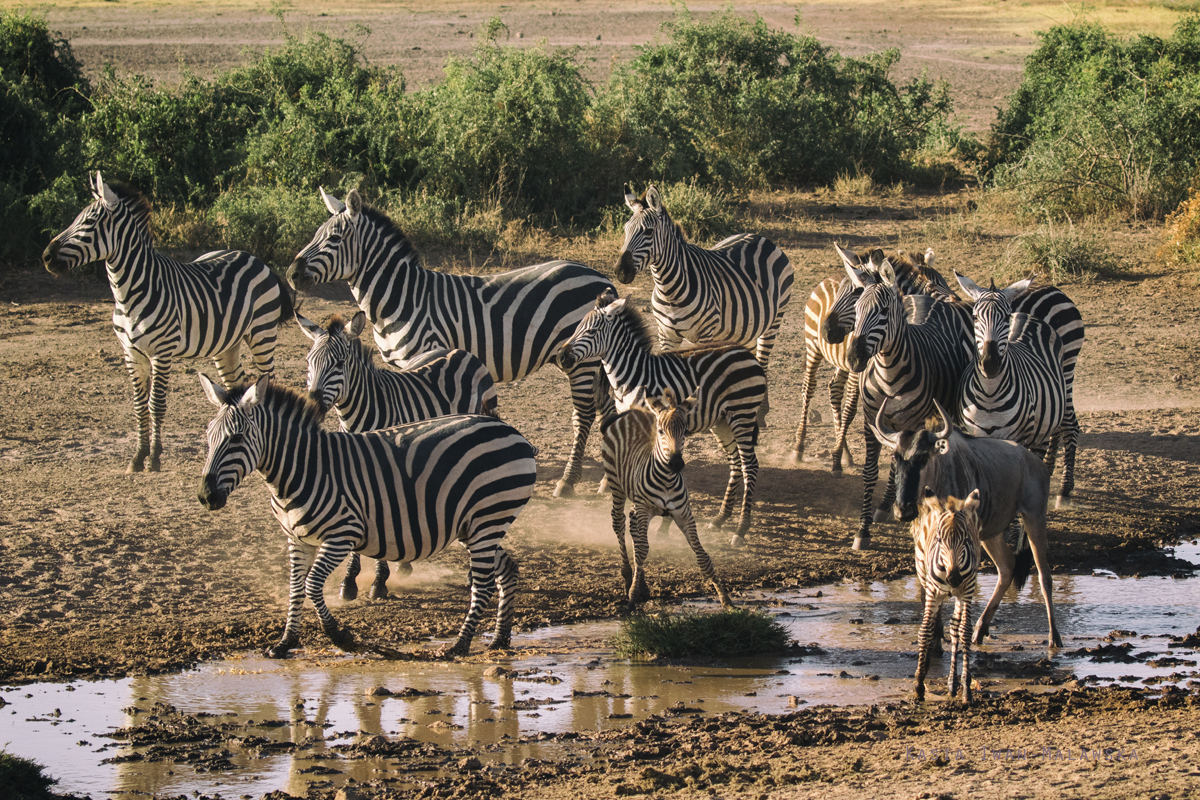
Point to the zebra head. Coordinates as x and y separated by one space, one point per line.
95 233
993 315
878 314
670 428
331 351
840 317
950 532
645 233
234 441
333 254
912 453
593 335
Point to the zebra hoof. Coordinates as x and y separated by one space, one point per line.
737 540
882 515
378 592
137 465
501 644
1064 503
603 487
349 591
459 648
403 569
279 650
154 466
564 489
861 543
836 469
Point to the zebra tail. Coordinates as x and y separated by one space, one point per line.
287 306
1024 564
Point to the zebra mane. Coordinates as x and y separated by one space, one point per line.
288 402
643 330
137 203
359 351
383 221
662 209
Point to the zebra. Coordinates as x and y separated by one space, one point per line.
166 309
642 451
946 549
1015 388
728 381
400 494
830 307
513 322
914 364
734 293
342 375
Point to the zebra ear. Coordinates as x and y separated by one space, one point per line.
1017 289
334 205
631 200
849 258
859 277
311 329
105 193
255 394
887 272
639 398
354 202
930 499
215 394
357 324
653 199
615 307
969 286
876 259
606 297
688 404
972 501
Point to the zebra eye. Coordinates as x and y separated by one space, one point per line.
335 238
236 438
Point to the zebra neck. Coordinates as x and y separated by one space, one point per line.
135 272
627 362
668 266
292 451
390 282
360 397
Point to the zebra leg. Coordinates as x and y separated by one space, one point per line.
955 627
884 512
687 523
229 367
932 609
939 630
639 524
160 376
725 437
964 643
1035 529
1070 443
766 343
587 398
485 558
379 585
870 474
618 524
330 554
844 416
808 385
506 590
138 367
1004 559
350 582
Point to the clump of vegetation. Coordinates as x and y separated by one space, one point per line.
734 632
1182 245
1103 125
22 779
1058 253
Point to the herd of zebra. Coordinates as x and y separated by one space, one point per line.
422 457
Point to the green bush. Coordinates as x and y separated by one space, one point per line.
736 632
23 779
272 222
1103 125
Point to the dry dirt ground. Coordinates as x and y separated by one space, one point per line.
107 574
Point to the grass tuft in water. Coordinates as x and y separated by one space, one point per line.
22 779
737 632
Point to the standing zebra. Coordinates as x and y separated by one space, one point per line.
166 309
643 461
910 364
728 382
401 494
1015 388
733 293
513 322
946 544
342 374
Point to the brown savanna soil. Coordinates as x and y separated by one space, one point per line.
107 574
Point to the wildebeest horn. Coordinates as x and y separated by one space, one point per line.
946 427
882 432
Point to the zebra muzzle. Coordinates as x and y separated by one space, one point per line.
54 264
297 275
209 495
833 331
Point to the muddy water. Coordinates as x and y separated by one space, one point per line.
566 679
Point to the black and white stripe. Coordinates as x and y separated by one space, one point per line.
400 494
727 380
946 546
343 375
513 322
166 309
908 364
643 462
736 292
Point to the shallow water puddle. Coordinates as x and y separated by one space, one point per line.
283 725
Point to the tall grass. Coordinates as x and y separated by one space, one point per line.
736 632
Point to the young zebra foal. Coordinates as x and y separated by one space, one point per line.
946 540
642 451
400 494
342 374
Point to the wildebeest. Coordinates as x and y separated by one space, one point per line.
1011 480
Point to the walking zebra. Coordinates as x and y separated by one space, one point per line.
513 322
728 382
946 544
829 312
643 461
400 494
910 364
733 293
1014 389
342 374
166 309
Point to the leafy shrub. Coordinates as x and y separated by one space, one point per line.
23 779
1059 253
1103 125
272 222
736 632
735 102
704 213
1182 244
